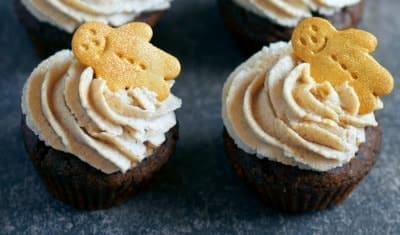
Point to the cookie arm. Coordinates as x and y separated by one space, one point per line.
360 38
139 29
171 65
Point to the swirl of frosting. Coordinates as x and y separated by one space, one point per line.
273 108
289 13
69 14
72 111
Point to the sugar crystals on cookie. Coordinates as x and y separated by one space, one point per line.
124 57
340 56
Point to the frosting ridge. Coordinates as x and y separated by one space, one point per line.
273 108
73 111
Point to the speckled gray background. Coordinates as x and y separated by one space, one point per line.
197 191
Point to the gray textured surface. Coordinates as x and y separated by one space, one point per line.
197 190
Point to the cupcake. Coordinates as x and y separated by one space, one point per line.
255 23
299 117
99 122
51 24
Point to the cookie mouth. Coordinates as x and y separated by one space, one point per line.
322 46
104 45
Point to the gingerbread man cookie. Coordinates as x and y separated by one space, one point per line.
339 56
124 57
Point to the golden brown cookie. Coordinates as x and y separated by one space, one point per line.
124 56
339 56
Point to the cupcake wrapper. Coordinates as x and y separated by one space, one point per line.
251 32
290 189
292 200
77 194
84 187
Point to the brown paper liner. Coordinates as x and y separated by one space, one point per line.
49 39
290 189
84 187
251 32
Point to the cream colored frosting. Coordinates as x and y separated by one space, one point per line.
69 14
289 13
72 111
273 108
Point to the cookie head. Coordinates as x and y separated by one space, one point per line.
89 41
124 57
311 36
338 57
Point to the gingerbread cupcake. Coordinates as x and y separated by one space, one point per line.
99 122
256 23
51 24
299 116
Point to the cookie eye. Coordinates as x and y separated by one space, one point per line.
96 42
85 47
131 61
344 67
314 28
333 57
314 39
303 41
93 31
143 66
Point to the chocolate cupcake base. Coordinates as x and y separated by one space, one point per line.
84 187
291 189
49 39
251 32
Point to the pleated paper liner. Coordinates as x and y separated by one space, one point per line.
84 187
291 189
